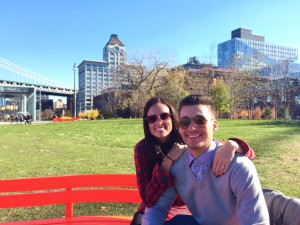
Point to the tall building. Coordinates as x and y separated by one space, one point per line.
250 51
2 101
96 76
114 52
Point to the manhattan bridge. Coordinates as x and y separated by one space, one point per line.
22 90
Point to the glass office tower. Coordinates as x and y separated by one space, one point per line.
249 51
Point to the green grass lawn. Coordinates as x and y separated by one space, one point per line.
106 146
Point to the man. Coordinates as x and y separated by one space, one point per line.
234 198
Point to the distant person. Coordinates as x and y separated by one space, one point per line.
17 118
154 157
26 119
21 118
29 118
236 198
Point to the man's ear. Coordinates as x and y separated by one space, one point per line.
215 125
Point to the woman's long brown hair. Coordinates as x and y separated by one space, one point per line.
154 150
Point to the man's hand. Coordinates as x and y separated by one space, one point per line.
224 156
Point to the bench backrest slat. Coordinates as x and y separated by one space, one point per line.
68 189
74 181
77 196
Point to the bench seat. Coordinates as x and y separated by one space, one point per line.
81 220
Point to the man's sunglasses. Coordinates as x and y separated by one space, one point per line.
153 118
185 122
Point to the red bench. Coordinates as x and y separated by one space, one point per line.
68 190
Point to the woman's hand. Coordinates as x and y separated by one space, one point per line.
176 151
174 154
224 156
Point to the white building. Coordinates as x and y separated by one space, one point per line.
96 76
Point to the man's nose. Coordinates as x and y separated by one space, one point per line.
192 125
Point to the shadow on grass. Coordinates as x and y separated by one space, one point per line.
276 131
295 124
266 137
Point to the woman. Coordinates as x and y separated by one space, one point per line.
156 153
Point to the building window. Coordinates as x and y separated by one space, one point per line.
297 100
255 100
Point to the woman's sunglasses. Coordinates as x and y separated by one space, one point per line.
153 118
185 122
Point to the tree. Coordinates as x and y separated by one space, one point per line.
173 87
221 96
267 113
143 77
47 114
252 93
107 114
143 73
283 88
243 83
113 100
211 55
234 83
199 82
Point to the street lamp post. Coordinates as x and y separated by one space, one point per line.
40 115
74 68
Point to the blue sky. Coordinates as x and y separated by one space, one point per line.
49 36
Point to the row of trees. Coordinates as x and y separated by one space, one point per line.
232 91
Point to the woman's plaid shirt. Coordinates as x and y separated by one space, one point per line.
151 190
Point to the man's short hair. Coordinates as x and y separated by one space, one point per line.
198 100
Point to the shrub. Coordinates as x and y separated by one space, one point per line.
267 114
